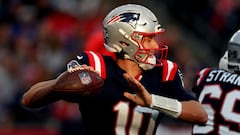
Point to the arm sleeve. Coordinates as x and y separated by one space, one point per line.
175 89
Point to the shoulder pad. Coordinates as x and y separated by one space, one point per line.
201 75
97 62
169 70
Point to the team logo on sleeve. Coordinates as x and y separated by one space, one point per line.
85 78
73 65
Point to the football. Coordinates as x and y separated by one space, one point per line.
80 82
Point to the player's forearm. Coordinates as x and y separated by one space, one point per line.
40 94
190 111
193 111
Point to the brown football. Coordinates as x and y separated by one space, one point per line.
80 82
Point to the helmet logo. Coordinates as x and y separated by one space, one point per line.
128 17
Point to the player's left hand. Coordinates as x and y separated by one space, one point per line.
142 96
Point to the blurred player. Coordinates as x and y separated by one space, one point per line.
140 84
219 91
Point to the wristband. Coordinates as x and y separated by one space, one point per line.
166 105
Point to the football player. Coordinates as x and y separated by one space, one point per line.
218 89
140 84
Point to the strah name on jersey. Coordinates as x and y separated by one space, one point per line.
223 76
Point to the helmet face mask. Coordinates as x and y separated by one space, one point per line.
146 55
124 30
234 57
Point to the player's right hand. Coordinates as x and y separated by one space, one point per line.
142 96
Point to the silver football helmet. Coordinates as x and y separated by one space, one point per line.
124 29
231 59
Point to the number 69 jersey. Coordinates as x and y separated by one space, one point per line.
110 113
219 92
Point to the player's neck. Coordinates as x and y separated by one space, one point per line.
129 66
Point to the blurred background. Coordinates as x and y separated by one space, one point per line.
38 38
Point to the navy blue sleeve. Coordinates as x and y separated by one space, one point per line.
175 89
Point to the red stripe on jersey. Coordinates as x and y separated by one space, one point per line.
165 70
97 62
201 75
169 70
91 59
103 66
138 76
174 71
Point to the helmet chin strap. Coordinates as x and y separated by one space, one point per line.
151 65
150 62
